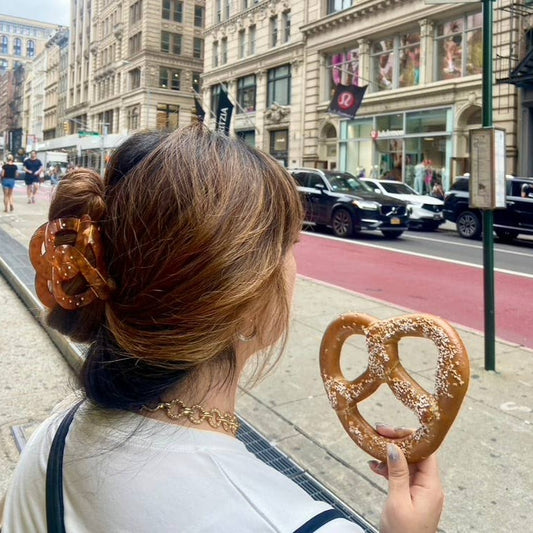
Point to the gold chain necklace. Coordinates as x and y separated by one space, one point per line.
176 409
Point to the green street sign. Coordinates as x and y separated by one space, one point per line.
88 134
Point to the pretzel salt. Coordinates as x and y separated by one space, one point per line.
436 412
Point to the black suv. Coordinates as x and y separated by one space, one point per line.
347 205
516 218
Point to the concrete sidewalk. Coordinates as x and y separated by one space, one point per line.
485 459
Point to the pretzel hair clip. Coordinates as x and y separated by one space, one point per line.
435 412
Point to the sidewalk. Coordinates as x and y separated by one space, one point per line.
485 459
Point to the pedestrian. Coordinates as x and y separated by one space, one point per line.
9 173
33 168
178 269
55 175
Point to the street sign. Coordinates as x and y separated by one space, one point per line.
88 134
487 179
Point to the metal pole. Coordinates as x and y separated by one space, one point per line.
102 151
488 221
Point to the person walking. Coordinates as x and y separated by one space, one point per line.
33 168
178 269
9 173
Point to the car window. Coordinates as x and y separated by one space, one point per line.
523 189
398 188
344 182
314 180
460 184
299 178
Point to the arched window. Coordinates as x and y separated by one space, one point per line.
17 47
4 45
30 48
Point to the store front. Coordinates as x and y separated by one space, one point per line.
413 146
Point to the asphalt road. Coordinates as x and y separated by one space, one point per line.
420 273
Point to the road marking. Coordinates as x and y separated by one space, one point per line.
416 254
467 245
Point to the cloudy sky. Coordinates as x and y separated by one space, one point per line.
54 11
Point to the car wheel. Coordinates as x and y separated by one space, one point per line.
391 234
468 225
506 235
341 223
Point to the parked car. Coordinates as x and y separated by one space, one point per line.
425 212
343 202
515 219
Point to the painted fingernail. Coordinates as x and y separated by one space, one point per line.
381 425
393 452
401 429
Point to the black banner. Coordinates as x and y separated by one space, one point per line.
200 113
224 112
346 100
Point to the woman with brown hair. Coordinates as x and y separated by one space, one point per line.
177 268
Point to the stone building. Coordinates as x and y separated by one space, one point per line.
421 64
21 40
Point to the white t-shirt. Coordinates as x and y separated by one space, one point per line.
125 473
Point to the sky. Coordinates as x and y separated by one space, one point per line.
54 11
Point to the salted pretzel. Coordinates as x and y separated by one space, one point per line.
435 412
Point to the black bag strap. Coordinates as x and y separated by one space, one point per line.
319 520
55 519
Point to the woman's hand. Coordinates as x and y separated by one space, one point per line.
415 497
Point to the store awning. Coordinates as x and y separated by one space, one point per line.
522 75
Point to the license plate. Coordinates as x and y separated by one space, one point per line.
395 220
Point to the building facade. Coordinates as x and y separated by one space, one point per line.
421 64
21 40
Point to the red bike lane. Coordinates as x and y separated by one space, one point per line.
452 291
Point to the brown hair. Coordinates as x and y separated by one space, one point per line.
196 227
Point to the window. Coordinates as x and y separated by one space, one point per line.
251 39
215 53
3 66
273 31
167 117
343 67
171 43
172 10
134 43
133 118
286 26
247 136
242 44
30 48
196 82
136 11
396 62
215 92
4 45
135 78
198 48
17 47
223 50
339 5
169 78
279 145
279 85
199 16
459 47
218 11
246 88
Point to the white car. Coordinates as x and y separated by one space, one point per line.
425 212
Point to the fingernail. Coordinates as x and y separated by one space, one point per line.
393 452
373 464
401 429
381 425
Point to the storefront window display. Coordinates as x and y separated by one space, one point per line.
343 67
459 47
414 147
396 62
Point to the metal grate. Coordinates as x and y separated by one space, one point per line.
271 456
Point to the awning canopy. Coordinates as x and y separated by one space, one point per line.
522 75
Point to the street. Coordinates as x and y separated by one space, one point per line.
444 286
